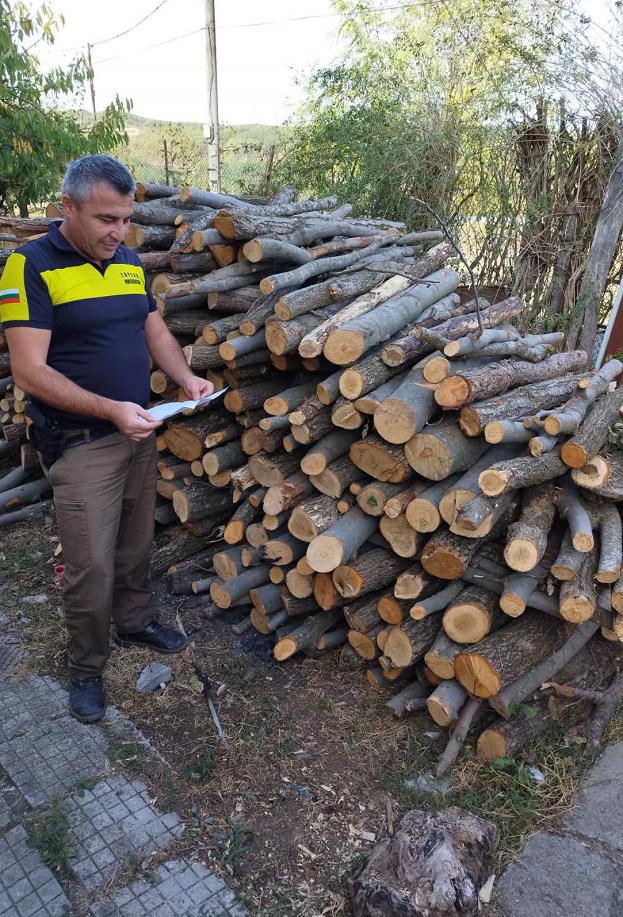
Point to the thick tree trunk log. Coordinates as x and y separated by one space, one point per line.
399 351
225 594
447 556
216 331
312 344
326 450
410 642
444 704
287 494
371 571
354 337
285 337
602 476
340 541
568 418
520 690
526 540
382 461
373 497
520 472
337 477
403 540
151 237
234 348
362 615
282 550
507 431
314 430
578 598
496 378
411 583
237 525
409 409
23 495
501 658
199 501
174 545
345 415
434 866
270 470
443 450
466 489
472 615
520 402
441 656
422 511
313 516
201 357
223 458
288 400
369 375
185 438
594 429
307 635
567 564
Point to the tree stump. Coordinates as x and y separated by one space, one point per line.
434 866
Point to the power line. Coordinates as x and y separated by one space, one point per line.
131 29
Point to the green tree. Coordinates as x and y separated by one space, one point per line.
38 136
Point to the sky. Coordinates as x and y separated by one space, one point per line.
264 52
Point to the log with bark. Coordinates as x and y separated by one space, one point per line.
493 379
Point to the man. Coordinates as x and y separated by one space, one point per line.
81 326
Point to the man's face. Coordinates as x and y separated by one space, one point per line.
99 225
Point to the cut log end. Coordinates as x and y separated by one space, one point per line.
493 482
573 455
476 675
577 608
521 555
343 347
325 554
453 393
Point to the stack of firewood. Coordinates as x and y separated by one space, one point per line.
393 471
23 488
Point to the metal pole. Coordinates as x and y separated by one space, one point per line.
212 126
92 81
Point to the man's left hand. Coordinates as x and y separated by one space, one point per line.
196 388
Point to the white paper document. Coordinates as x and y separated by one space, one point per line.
171 408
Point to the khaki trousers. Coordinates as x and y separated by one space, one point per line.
105 494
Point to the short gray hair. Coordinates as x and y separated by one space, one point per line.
83 174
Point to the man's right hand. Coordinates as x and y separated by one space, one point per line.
132 420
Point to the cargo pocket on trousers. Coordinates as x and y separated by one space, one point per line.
73 528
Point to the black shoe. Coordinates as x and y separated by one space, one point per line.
156 637
87 701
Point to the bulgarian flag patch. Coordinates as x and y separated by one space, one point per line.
9 297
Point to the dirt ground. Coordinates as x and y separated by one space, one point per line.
315 770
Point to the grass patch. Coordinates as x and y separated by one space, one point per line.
49 833
129 753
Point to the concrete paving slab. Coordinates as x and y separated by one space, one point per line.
43 749
178 888
27 887
110 824
598 813
560 877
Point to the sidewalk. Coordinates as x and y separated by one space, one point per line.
98 827
578 868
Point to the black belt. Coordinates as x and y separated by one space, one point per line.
80 437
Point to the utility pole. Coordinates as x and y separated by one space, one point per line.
212 127
92 81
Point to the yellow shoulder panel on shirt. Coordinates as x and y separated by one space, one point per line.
13 298
69 284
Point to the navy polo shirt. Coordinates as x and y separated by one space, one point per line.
96 316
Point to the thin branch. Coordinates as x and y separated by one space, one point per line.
454 245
